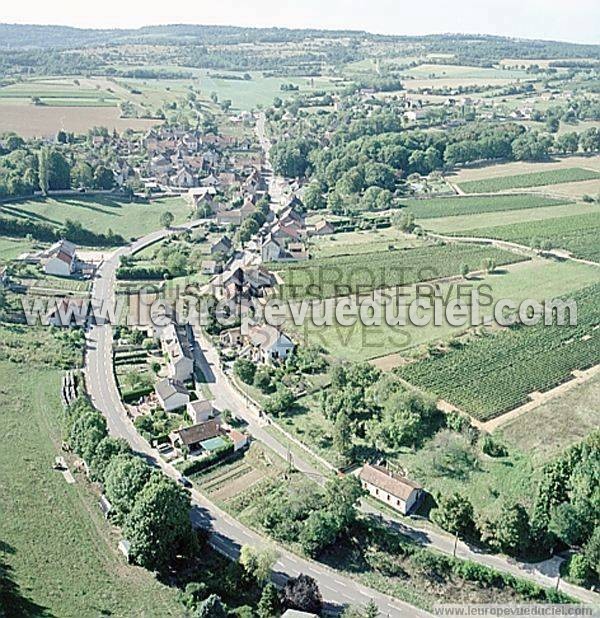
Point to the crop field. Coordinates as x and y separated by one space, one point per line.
344 275
536 179
473 222
558 423
59 552
536 278
99 213
517 168
58 92
456 71
577 234
496 372
455 206
28 120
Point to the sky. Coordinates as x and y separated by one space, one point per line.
565 20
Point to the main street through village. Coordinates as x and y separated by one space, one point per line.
226 534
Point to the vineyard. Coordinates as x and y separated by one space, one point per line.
577 234
535 179
497 371
470 205
344 275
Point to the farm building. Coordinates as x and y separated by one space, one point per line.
59 260
395 490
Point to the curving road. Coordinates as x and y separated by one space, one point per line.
226 534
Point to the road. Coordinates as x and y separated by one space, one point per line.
226 534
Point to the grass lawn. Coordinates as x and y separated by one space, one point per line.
59 551
535 179
539 279
99 213
10 248
470 205
460 223
449 463
368 241
550 428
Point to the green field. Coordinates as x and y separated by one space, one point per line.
10 248
57 550
537 279
473 222
343 275
454 206
368 241
535 179
495 373
577 234
100 213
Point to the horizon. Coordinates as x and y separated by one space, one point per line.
574 23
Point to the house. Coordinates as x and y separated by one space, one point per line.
201 411
194 436
240 440
322 228
221 246
288 231
259 278
211 267
59 260
231 337
269 343
172 394
395 490
296 251
413 115
180 360
270 250
183 179
201 196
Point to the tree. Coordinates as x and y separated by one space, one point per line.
454 513
592 551
302 593
166 219
244 370
258 563
313 197
158 526
211 607
82 175
43 171
124 478
54 173
86 433
319 531
342 435
280 401
268 605
107 449
262 379
104 178
511 530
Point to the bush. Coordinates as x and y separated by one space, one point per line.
244 370
197 465
492 448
